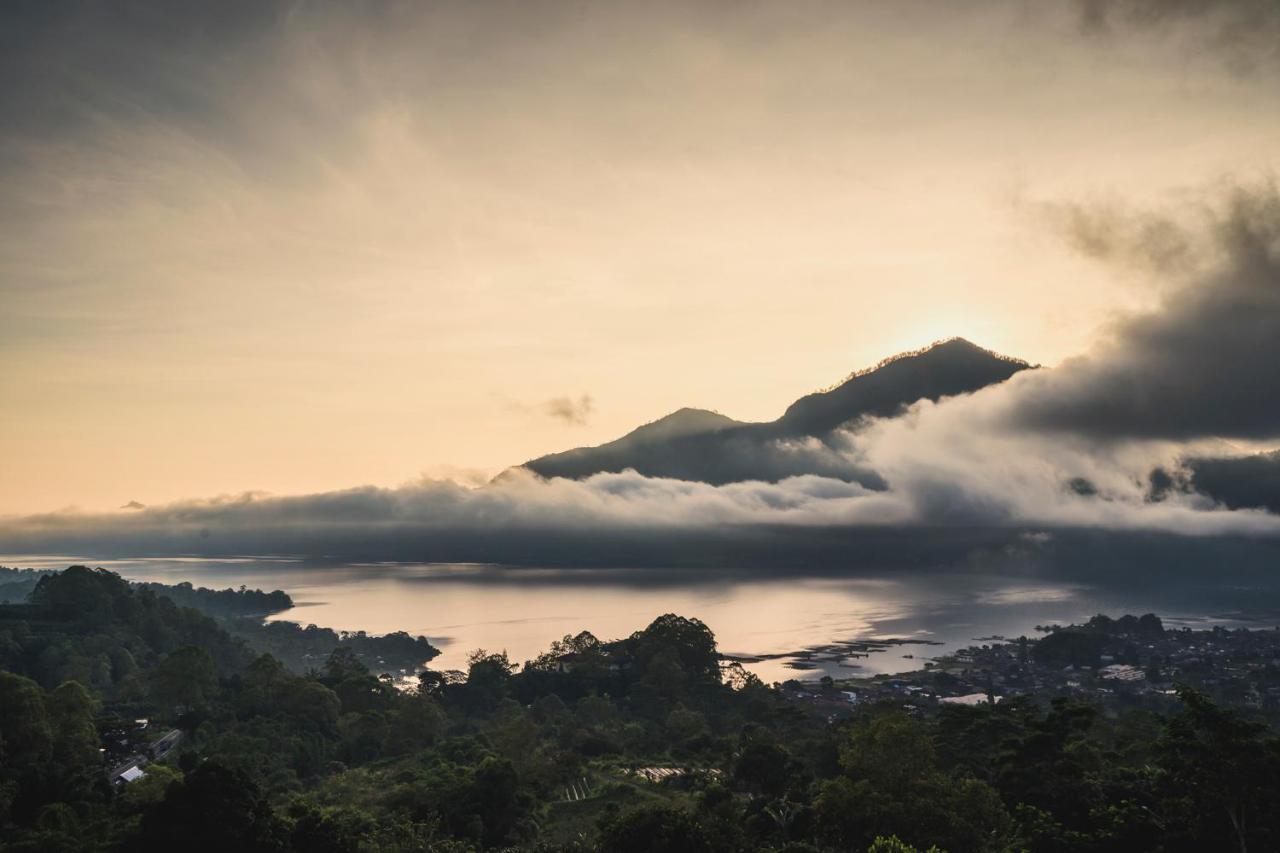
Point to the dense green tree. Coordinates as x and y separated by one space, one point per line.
89 596
762 764
26 732
330 830
1052 764
309 705
215 809
488 682
892 784
1069 648
1220 780
184 678
893 844
139 796
688 643
71 711
656 828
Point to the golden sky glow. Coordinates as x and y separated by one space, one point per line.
332 248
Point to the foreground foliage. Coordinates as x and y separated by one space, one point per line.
542 756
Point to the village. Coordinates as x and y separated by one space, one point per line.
1119 664
129 746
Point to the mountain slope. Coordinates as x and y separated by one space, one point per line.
945 369
655 449
695 444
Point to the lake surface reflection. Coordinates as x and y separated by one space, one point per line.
522 610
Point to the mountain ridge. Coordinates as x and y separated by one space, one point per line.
702 445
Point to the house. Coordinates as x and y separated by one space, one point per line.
161 747
967 699
1122 672
132 773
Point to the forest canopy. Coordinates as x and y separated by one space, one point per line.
650 742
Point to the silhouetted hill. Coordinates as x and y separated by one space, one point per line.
679 424
695 444
945 369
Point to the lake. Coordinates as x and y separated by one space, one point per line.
522 610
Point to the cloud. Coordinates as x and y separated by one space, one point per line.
937 514
1110 439
1108 231
963 462
1242 34
520 518
572 411
1235 481
1207 362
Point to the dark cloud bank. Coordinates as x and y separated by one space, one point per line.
1242 34
1208 363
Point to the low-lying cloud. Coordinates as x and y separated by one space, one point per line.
1072 448
938 510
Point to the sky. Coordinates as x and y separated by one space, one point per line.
295 248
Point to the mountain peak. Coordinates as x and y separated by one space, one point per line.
964 346
945 368
948 348
685 421
698 444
